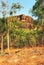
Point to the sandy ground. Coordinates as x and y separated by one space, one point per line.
24 56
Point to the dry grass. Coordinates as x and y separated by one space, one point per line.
24 56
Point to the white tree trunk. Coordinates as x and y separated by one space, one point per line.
8 41
2 44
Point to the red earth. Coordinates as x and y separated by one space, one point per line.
24 56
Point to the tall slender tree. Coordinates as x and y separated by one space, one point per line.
38 11
8 10
14 8
2 22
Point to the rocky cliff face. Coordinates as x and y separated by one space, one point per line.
27 20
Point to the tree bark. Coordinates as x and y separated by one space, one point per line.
8 41
2 44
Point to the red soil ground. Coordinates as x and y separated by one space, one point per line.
24 56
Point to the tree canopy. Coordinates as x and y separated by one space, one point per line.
38 8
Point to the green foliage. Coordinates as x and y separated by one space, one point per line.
38 11
15 7
38 8
20 37
24 37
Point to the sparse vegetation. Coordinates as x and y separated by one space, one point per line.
21 37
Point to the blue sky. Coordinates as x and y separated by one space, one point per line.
27 4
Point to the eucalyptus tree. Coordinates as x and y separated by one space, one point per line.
38 11
14 8
1 35
2 22
6 10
